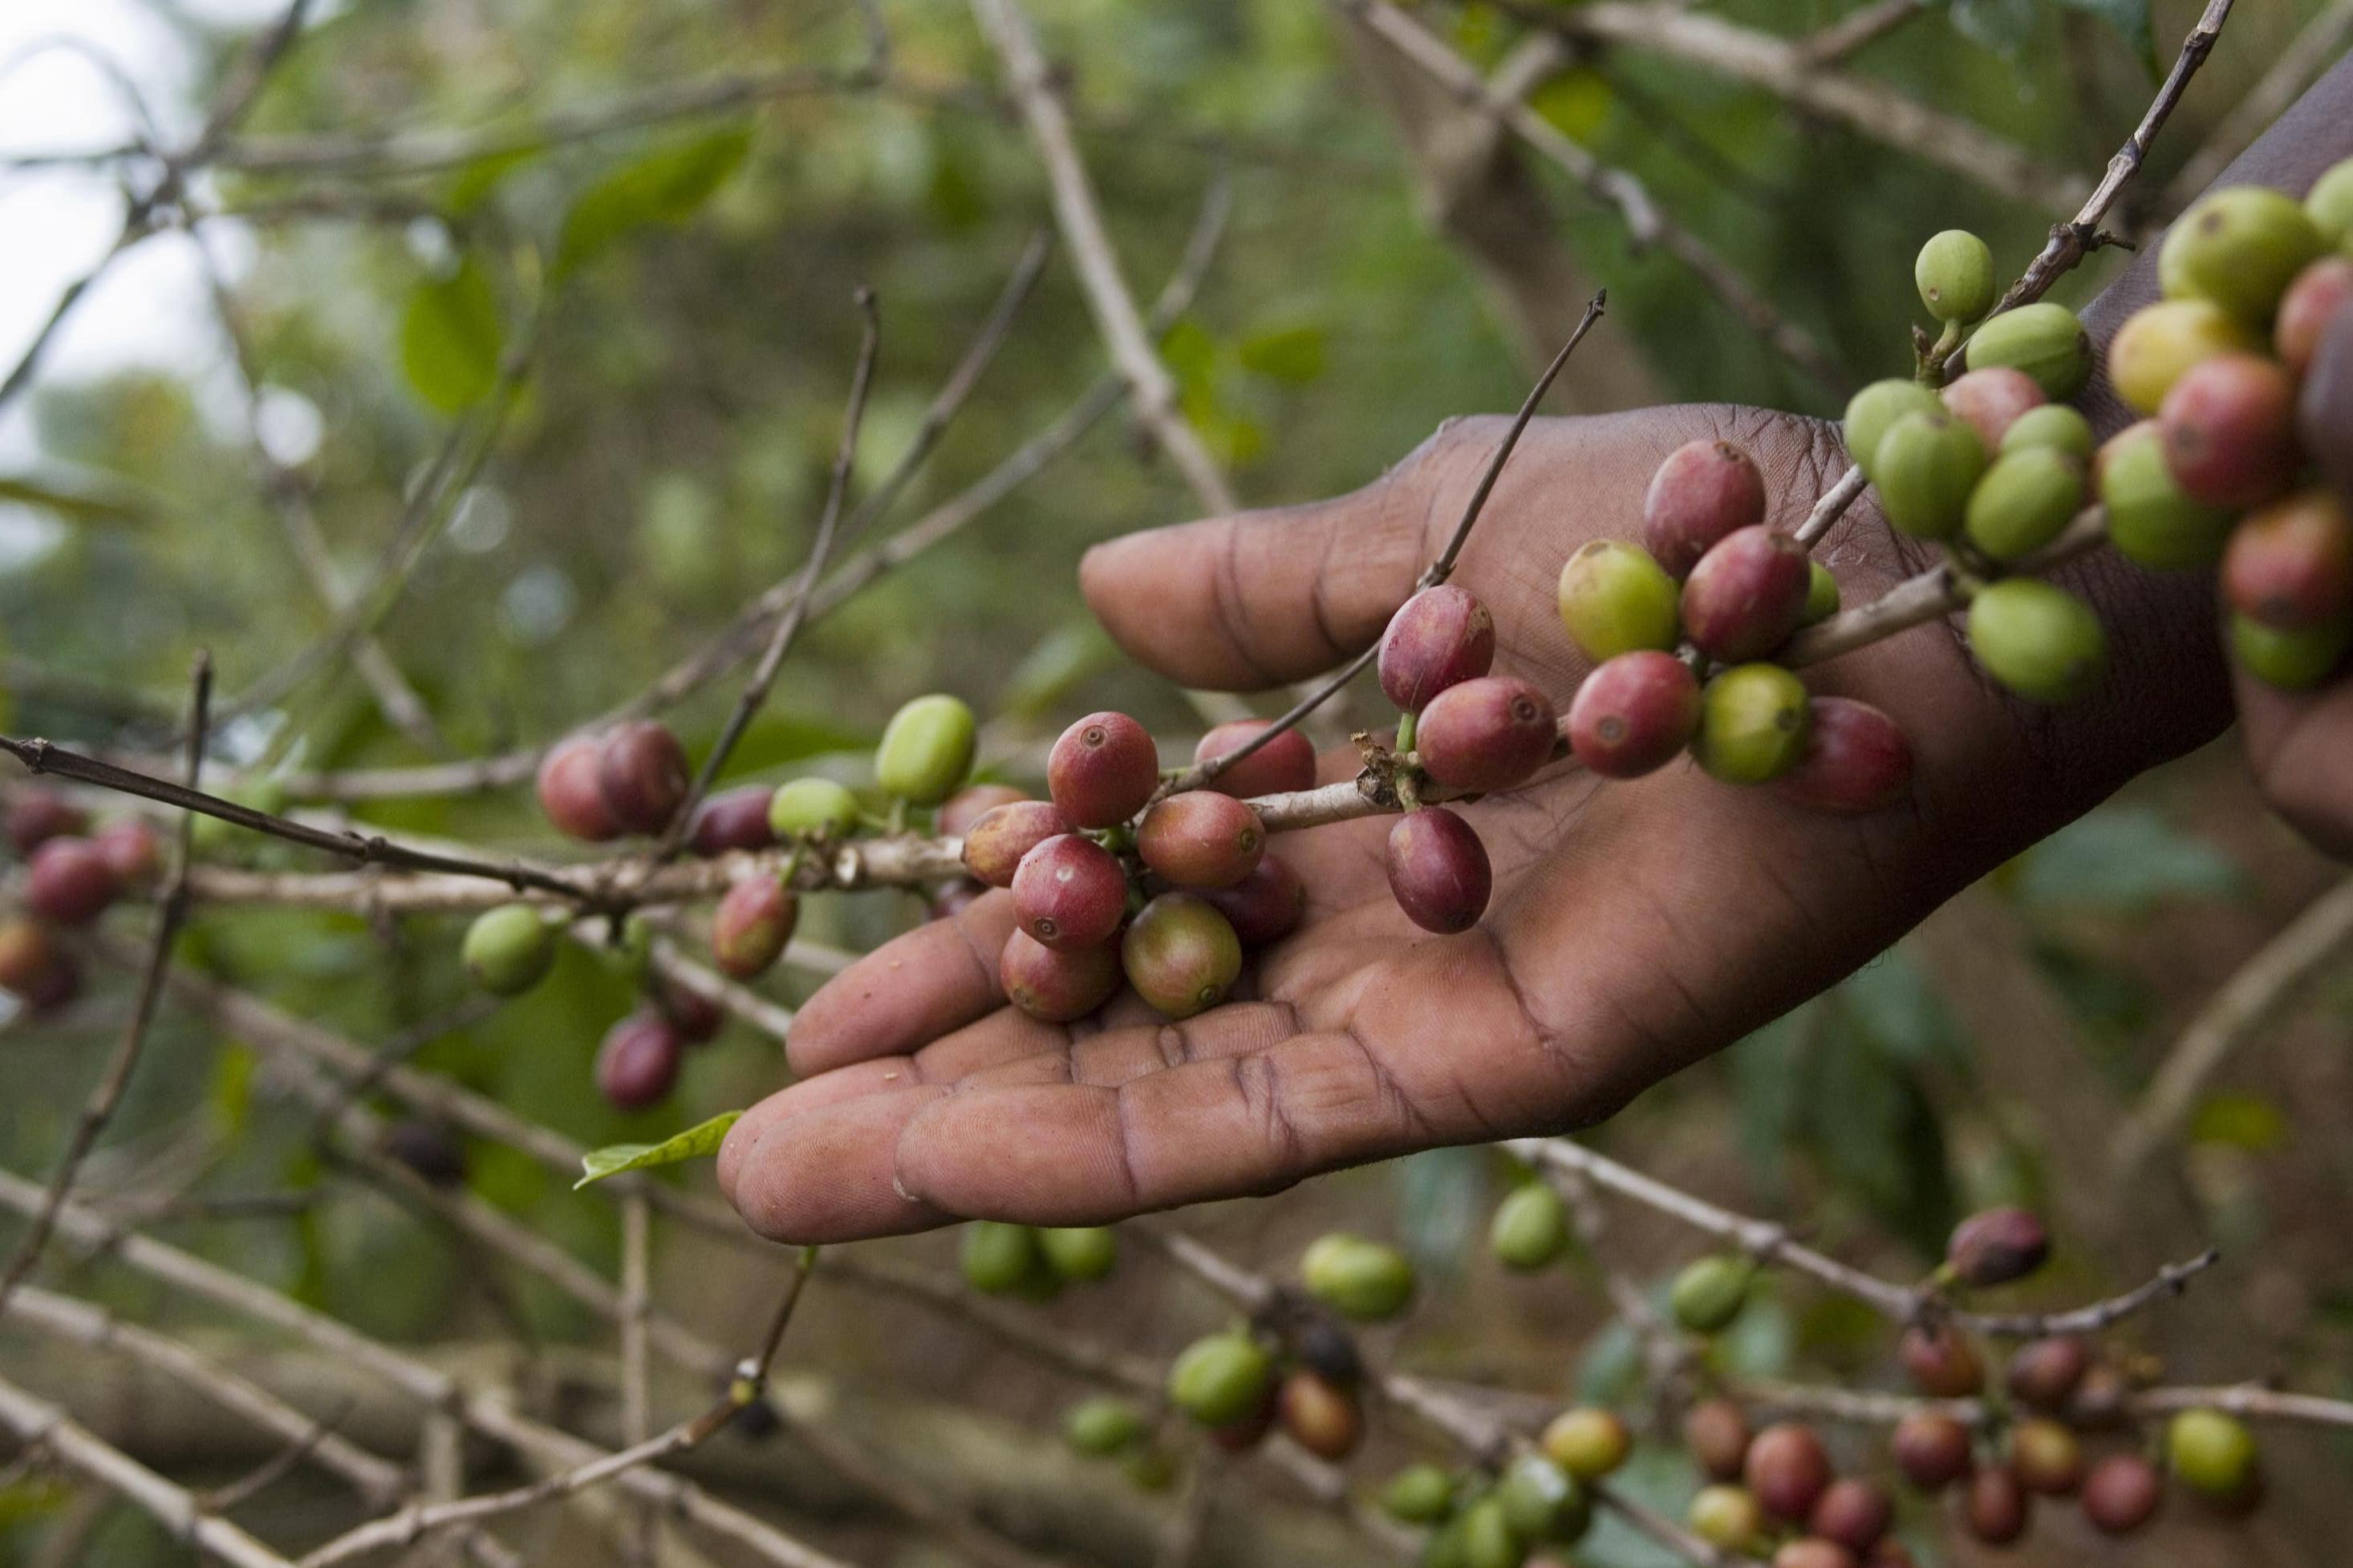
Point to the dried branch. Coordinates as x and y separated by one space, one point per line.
2251 1400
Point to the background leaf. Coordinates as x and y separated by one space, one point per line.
666 187
702 1139
451 340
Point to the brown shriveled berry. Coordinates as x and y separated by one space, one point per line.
1716 1433
1633 715
1201 839
2121 1493
1941 1363
970 803
1283 764
2320 292
737 819
1857 759
1265 906
1069 892
1181 956
751 926
1438 870
1102 770
568 792
639 1061
2289 565
1996 1246
1995 1505
131 847
2044 1373
1787 1469
68 882
1319 1415
2046 1456
1853 1512
2229 429
1485 734
994 846
1057 986
1704 491
1812 1551
36 815
1991 400
1931 1448
1439 638
641 772
1747 594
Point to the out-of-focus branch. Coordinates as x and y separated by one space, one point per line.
2298 65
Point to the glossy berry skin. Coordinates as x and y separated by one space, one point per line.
1201 839
1787 1469
1633 715
736 819
2158 342
2046 1456
2039 640
1439 638
2023 501
1871 413
1929 464
1530 1229
812 810
1366 1280
1725 1517
1812 1551
1995 1505
1716 1432
1703 492
569 795
1541 1501
751 926
2240 247
994 846
1418 1494
1941 1362
2290 565
68 882
927 749
1102 770
36 815
1747 594
1439 871
2292 661
1708 1292
508 950
2210 1452
1265 906
1079 1253
1180 954
639 1061
1221 1379
1056 985
1996 1246
2054 425
2045 340
2311 303
2044 1373
1954 273
1485 734
1320 1416
2121 1493
1069 892
1587 1443
1857 760
1283 764
1755 720
1103 1427
1614 599
1931 1448
641 772
2150 520
1992 400
997 1257
970 803
2229 430
1853 1512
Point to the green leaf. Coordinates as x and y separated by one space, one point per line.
2125 859
1294 354
475 182
692 1144
666 187
451 340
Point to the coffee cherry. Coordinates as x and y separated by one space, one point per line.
1633 715
643 773
2046 1456
2238 248
639 1061
1531 1228
1320 1416
1996 1246
2329 205
508 950
1853 1512
2210 1452
1614 599
1181 956
2101 1400
1221 1379
2228 428
927 749
2122 1493
2044 1373
68 882
1702 493
1056 985
1727 1518
1488 1539
1079 1252
1357 1278
1931 1448
130 848
1716 1433
812 810
1857 759
1822 594
1995 1505
1941 1363
1201 839
2043 340
752 925
2039 640
1102 770
1890 1553
1990 401
568 792
1069 892
1788 1471
696 1017
1283 764
1541 1501
1588 1443
36 815
2290 565
429 1151
1754 721
1929 464
1265 906
34 968
2150 520
2292 661
1439 638
1103 1427
1325 1348
1150 1469
2054 425
1438 870
994 846
1418 1494
1746 596
2024 502
1710 1291
1485 734
1954 272
997 1256
1812 1551
1247 1432
1871 413
737 819
2158 342
970 803
2320 292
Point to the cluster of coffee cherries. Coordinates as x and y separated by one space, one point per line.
71 874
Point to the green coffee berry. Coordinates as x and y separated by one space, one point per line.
1103 1427
1873 411
1361 1279
1955 276
2023 501
1753 718
1588 1442
508 950
1488 1539
2238 248
1446 1547
1221 1379
2330 206
999 1257
1543 1502
2054 425
2150 522
1530 1228
2043 340
812 809
1822 594
2040 641
1927 465
1078 1252
1418 1494
2292 661
927 749
1709 1293
1150 1469
2210 1452
1614 599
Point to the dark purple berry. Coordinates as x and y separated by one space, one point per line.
1996 1246
641 772
639 1061
36 815
1441 637
1265 906
735 820
1931 1448
68 882
1787 1469
1439 871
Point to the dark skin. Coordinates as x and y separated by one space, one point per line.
1635 927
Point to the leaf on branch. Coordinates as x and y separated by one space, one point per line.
666 187
692 1144
451 340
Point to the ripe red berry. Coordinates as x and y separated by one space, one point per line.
2044 1373
1991 400
1438 870
1941 1363
1069 892
737 819
68 882
639 1060
2229 430
1996 1246
970 803
130 848
1201 839
1931 1448
1856 1514
1056 985
1716 1433
36 815
1747 594
1442 637
33 967
1857 759
1102 770
1813 1552
569 794
1265 906
2122 1493
2046 1457
1995 1505
643 773
1704 491
1285 764
1787 1469
1485 734
1181 956
2290 565
2319 292
1634 713
1320 1416
696 1017
752 925
994 846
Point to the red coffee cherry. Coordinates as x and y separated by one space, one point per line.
2229 430
2311 303
1438 870
643 773
737 819
33 966
1069 892
1746 595
1942 1363
970 803
1485 734
1813 1552
1057 986
36 815
1991 400
639 1061
1931 1448
696 1017
2044 1373
1995 1505
1320 1416
1283 764
1787 1469
1181 956
1201 839
994 846
1633 715
1265 906
1704 491
1102 770
131 847
1242 1435
1996 1246
1716 1433
68 882
752 925
1857 759
2046 1457
1442 637
569 794
1854 1513
2290 565
2122 1493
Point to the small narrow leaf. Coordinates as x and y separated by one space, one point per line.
451 340
692 1144
668 187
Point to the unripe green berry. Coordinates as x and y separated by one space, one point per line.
2294 660
2045 340
812 809
1614 598
1754 719
2057 426
2210 1452
1360 1278
927 749
1488 1539
1103 1427
2150 522
2330 206
1418 1494
2240 247
1080 1252
1221 1379
508 950
2157 343
1727 1517
2023 501
1709 1293
1588 1443
1929 464
1530 1228
999 1256
1542 1501
1873 411
2040 641
1955 275
1822 594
